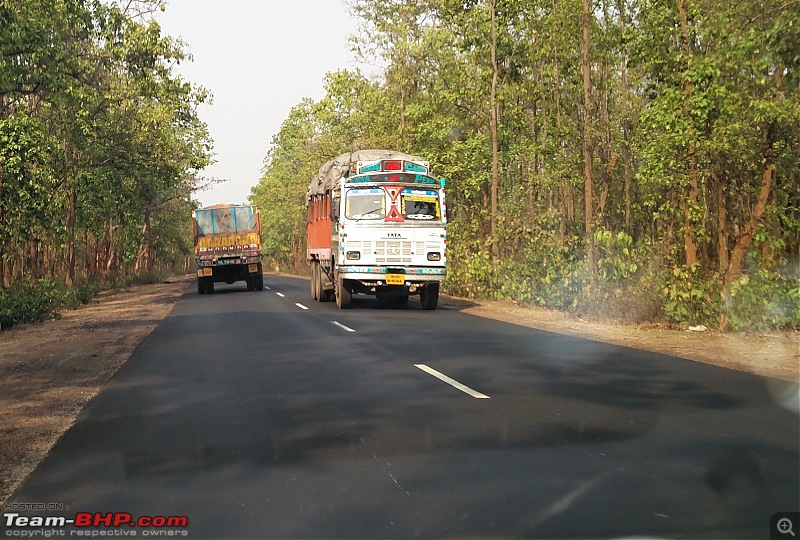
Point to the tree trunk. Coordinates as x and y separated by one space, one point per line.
722 226
403 128
690 247
34 255
147 249
569 202
587 142
495 144
626 156
4 277
72 170
744 239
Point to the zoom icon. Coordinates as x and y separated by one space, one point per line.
783 525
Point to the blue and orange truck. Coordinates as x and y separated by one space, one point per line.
227 246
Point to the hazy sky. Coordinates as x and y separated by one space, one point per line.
259 58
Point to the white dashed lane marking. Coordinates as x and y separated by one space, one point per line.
343 327
452 382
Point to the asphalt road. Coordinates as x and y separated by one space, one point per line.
266 414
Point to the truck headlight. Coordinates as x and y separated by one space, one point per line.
434 256
353 255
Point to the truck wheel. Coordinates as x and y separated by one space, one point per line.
342 294
260 282
325 295
314 280
429 296
201 286
209 285
251 283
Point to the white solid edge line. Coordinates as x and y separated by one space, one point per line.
451 382
340 325
301 306
281 295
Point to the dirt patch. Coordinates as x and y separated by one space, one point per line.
50 370
775 354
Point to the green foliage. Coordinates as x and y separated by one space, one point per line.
689 298
617 260
763 300
80 293
26 302
692 119
132 280
472 276
99 140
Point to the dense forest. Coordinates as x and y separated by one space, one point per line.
635 159
100 144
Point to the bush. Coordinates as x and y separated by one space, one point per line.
472 276
26 302
131 280
80 293
633 299
763 300
690 298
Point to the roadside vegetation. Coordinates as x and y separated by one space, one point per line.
632 159
100 144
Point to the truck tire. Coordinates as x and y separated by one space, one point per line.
259 279
342 294
429 296
314 280
209 285
201 286
325 295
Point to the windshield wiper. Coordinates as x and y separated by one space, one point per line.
368 213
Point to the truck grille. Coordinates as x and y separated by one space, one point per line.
393 251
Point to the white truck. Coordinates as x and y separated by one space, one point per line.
376 225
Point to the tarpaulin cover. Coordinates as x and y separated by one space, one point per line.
329 174
225 219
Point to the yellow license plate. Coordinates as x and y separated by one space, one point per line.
203 272
395 279
252 268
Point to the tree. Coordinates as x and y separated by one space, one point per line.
105 130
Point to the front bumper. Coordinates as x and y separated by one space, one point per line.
376 275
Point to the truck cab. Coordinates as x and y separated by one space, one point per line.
379 229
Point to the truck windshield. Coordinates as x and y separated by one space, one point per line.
233 219
365 204
420 204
